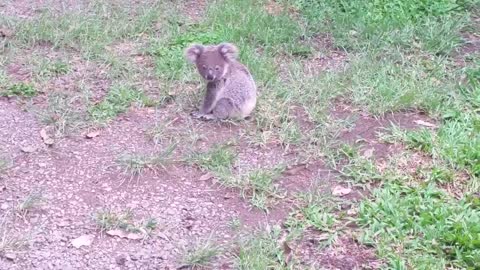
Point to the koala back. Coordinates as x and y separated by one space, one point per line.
239 86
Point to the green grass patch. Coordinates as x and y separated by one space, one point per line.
49 68
457 142
393 81
88 30
169 56
457 139
432 26
200 255
421 227
260 187
354 166
218 160
19 90
117 101
262 250
244 23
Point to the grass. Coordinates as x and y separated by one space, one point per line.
219 159
51 68
117 101
260 187
319 213
108 219
402 61
89 30
431 26
20 90
136 164
65 113
354 166
262 251
392 81
200 254
11 241
244 23
421 227
159 133
32 201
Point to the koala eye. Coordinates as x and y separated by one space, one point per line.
217 68
204 67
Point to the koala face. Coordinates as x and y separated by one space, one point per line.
212 61
211 65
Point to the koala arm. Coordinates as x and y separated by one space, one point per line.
210 98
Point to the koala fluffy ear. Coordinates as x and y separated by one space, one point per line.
193 52
228 51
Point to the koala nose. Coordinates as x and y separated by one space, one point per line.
209 77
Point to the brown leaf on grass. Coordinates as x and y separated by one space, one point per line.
124 234
340 191
45 137
84 240
424 123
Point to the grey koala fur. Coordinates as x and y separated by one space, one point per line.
231 91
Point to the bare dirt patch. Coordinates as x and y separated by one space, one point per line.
366 128
79 175
194 10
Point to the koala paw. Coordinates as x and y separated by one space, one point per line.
202 116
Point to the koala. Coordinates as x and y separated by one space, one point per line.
231 91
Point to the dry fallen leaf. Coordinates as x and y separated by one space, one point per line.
206 177
340 191
28 148
5 32
45 137
287 250
10 256
84 240
368 153
426 124
352 212
124 234
92 134
295 169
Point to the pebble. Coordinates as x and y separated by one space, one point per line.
4 206
10 256
120 260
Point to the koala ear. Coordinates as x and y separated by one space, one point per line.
228 51
193 52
